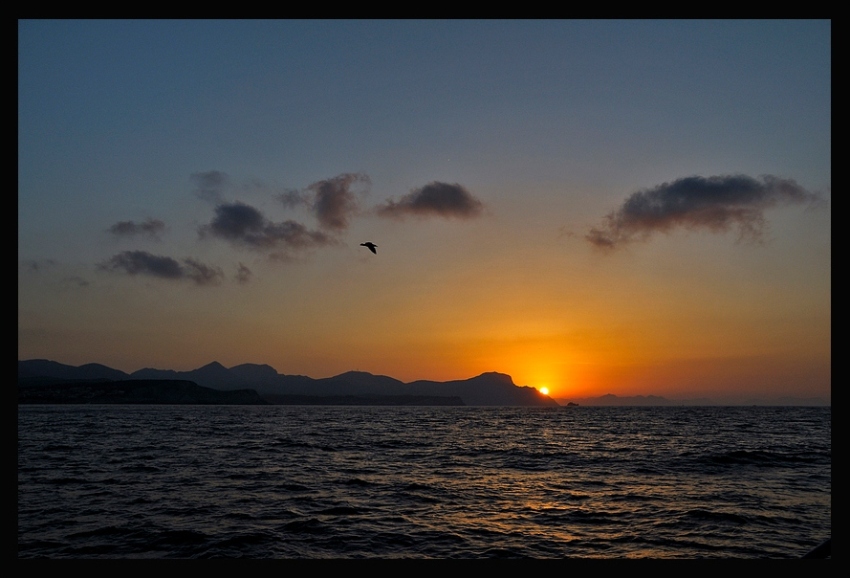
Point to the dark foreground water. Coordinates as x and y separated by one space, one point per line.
420 482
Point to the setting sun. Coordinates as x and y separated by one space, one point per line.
357 292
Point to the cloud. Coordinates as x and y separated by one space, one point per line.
237 222
144 263
246 226
36 265
77 281
151 227
209 185
202 274
293 198
716 203
40 266
334 201
243 274
437 199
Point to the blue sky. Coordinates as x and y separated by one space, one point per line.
549 125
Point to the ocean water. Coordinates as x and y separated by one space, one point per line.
312 482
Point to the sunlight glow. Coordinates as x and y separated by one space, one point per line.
544 390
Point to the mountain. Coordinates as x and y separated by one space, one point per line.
264 375
487 389
150 373
213 375
135 391
45 368
359 383
394 400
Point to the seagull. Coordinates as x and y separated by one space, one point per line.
371 246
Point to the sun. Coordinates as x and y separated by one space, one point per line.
544 390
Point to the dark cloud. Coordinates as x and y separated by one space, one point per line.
144 263
77 281
237 222
295 235
210 185
293 198
40 266
202 274
334 200
715 203
245 226
36 265
243 274
150 227
438 199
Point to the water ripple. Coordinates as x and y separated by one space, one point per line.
416 482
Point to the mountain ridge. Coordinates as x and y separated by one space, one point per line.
486 389
134 391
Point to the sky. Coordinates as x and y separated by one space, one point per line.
626 207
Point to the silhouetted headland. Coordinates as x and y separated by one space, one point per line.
350 388
134 391
425 400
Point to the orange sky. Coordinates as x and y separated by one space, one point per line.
594 207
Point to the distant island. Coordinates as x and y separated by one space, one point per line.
44 381
611 400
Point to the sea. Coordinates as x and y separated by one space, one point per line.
344 482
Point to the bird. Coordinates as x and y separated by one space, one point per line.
371 246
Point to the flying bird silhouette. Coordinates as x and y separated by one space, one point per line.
371 246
